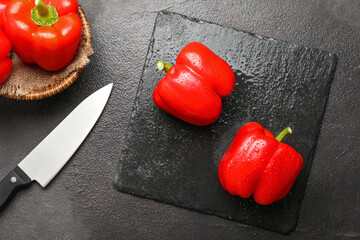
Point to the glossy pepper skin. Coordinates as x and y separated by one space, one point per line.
192 89
259 164
50 45
3 4
5 61
5 47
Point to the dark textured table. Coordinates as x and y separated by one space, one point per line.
81 202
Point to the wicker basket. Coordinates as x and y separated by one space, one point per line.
30 82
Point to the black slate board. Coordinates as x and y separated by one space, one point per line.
278 84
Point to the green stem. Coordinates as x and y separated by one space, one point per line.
163 66
42 8
283 134
44 15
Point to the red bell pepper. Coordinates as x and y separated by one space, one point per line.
5 47
192 89
5 61
3 4
257 163
47 35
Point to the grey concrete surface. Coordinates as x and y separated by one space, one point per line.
81 202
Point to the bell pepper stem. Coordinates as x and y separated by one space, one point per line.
283 134
44 15
42 8
163 66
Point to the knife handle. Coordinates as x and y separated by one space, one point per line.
14 180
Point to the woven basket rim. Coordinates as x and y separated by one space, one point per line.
61 85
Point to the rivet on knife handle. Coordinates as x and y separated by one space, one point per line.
13 181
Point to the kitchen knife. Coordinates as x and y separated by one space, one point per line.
47 158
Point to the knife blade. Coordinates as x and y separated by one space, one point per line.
51 154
